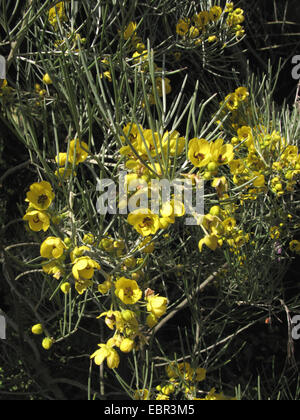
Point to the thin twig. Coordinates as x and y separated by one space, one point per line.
186 300
212 347
10 171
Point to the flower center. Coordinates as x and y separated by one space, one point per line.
199 156
221 158
42 199
36 219
128 292
147 222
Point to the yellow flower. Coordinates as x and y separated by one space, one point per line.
38 220
40 195
240 33
232 102
113 319
78 252
238 15
229 224
172 143
229 7
140 57
182 26
57 12
241 93
61 159
212 224
144 221
259 181
245 134
295 246
53 268
52 247
104 287
107 244
107 75
183 370
202 19
170 210
130 31
221 153
64 173
83 268
211 241
37 329
128 291
215 13
199 152
78 151
106 352
290 154
157 305
137 43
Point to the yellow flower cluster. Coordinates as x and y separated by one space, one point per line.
201 26
209 156
234 20
235 103
39 197
143 144
183 379
130 33
127 323
83 267
220 226
78 153
53 249
265 158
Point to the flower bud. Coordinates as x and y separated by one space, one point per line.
151 320
37 329
65 288
126 345
47 343
47 79
214 211
128 315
